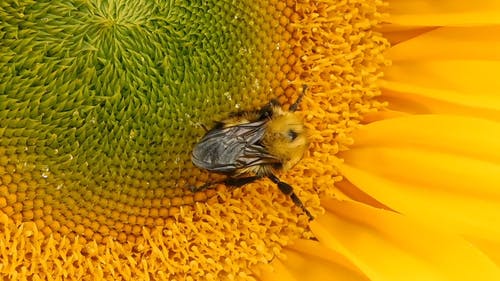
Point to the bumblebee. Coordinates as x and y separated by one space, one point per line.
254 144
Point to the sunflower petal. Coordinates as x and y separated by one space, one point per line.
492 249
310 260
455 76
445 12
444 43
398 33
388 246
454 170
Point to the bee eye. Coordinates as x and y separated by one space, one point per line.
292 134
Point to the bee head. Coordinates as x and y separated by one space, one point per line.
285 137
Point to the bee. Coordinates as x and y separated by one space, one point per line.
252 145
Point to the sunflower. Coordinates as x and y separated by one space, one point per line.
101 102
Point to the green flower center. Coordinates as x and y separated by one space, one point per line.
102 101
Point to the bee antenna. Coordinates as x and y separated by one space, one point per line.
299 99
288 190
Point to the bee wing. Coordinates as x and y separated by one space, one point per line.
256 155
228 149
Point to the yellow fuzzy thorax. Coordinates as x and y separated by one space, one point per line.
279 141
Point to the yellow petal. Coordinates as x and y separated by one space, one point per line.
310 260
447 70
388 246
444 170
444 12
381 115
354 193
398 33
492 249
447 43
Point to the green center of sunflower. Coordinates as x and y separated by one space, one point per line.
102 101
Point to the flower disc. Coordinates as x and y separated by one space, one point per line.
101 102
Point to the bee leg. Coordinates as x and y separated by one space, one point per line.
288 190
239 182
233 182
200 188
294 106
